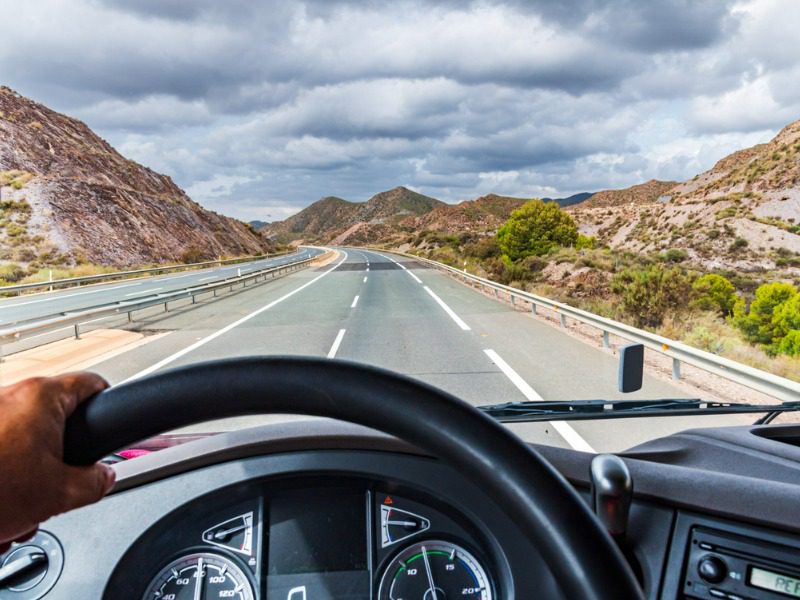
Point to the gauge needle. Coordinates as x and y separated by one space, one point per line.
198 586
428 571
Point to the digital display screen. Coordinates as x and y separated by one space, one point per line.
318 546
776 582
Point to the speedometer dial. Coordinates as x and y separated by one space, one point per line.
201 575
435 570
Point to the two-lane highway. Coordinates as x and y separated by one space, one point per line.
34 306
394 313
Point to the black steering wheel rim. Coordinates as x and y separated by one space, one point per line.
548 511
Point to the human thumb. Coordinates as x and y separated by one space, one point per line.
86 485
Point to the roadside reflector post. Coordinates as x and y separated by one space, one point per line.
563 320
676 368
50 278
77 331
605 339
238 272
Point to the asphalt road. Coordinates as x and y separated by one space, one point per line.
397 314
33 306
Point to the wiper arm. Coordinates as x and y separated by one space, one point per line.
511 412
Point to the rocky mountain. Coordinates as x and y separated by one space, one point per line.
570 200
67 196
331 217
484 214
742 214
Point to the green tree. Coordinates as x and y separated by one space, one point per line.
535 229
715 292
786 317
648 295
761 324
790 344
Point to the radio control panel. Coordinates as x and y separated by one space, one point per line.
722 565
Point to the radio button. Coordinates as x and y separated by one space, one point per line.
712 569
717 593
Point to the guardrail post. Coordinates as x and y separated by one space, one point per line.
563 320
166 307
513 301
495 292
77 331
194 299
130 317
676 368
533 307
605 339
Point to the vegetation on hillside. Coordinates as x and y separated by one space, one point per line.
748 317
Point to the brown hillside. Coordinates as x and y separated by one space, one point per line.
67 194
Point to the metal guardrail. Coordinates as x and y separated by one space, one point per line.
20 331
77 281
756 379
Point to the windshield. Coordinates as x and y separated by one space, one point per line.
495 198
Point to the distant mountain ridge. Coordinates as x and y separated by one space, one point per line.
330 216
68 196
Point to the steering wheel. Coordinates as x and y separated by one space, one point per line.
547 510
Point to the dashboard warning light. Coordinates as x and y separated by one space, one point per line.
388 500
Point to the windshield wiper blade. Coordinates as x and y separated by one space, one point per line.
511 412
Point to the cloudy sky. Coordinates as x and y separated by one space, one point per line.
259 108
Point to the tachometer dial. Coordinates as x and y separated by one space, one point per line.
435 570
201 575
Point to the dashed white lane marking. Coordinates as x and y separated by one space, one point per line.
61 296
572 437
355 301
365 279
202 342
143 292
448 310
207 278
336 343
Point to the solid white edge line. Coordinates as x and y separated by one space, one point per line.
202 342
417 279
448 310
336 343
355 301
565 430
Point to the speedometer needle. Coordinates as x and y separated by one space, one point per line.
430 575
198 586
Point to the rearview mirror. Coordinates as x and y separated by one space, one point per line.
631 367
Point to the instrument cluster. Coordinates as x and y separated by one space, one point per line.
310 543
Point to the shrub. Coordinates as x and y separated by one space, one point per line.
674 255
483 248
714 292
11 273
790 344
535 229
585 242
757 323
192 254
648 295
737 244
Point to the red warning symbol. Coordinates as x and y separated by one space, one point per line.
388 500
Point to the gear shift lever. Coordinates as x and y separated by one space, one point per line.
612 492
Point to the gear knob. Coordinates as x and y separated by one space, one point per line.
612 492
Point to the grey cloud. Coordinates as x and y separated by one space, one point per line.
274 104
